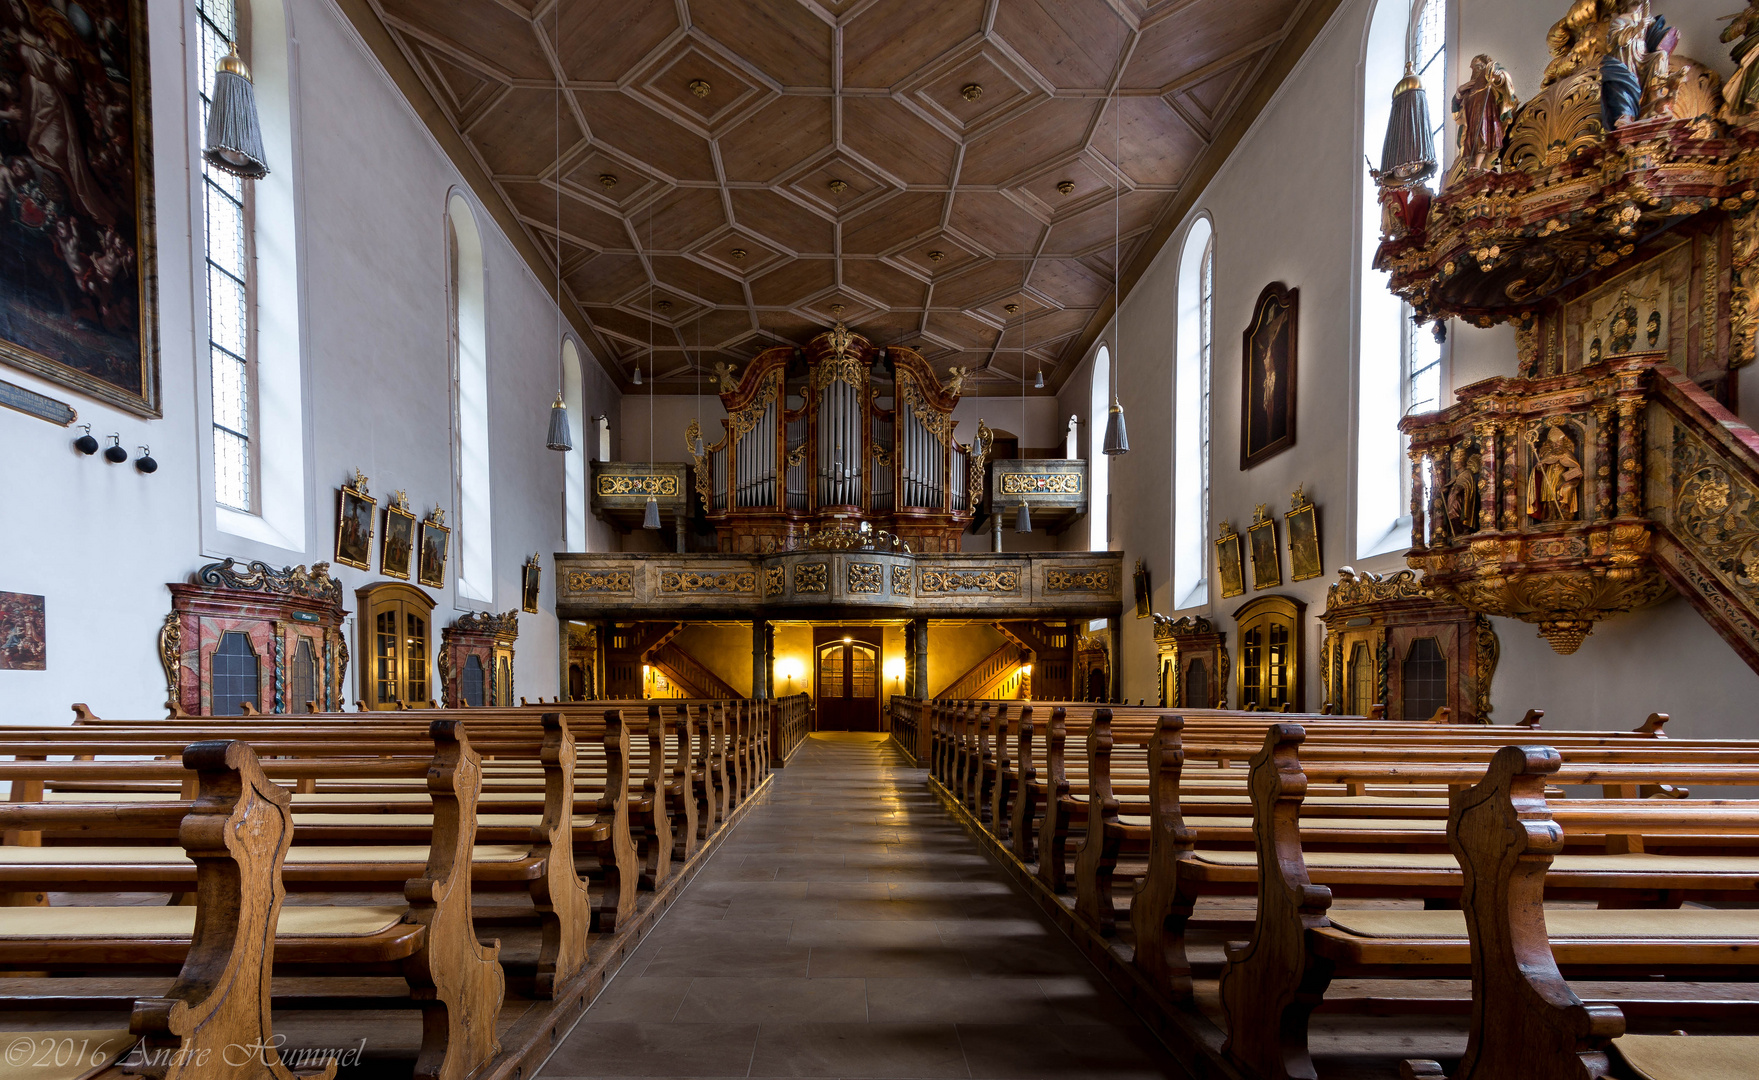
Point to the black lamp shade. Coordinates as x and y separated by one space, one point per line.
234 142
1408 154
560 438
1117 438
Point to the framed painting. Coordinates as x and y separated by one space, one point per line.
1229 568
1267 561
1303 522
23 633
78 269
435 540
1144 591
531 575
1267 406
354 524
399 542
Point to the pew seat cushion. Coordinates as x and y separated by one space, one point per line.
148 855
323 920
1691 1057
71 938
1635 863
1613 924
62 1055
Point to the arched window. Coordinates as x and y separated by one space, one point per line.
574 495
1401 367
1099 467
470 370
249 250
1193 348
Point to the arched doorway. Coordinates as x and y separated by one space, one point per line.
847 685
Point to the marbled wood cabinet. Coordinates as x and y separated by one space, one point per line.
1391 642
476 660
270 640
1193 662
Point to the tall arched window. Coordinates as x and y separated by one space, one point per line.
249 250
1401 367
471 389
574 495
1193 346
1099 466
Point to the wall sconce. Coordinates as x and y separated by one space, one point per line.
895 669
86 444
115 455
145 462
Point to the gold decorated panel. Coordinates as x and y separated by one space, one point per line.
812 578
657 486
686 581
1080 579
865 578
931 582
604 582
1061 483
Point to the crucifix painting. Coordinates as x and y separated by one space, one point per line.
1267 419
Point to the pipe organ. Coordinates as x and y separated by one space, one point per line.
843 431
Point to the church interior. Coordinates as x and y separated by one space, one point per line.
704 538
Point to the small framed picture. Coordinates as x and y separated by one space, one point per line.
1229 569
1303 519
435 540
354 524
1144 591
1267 562
529 579
399 542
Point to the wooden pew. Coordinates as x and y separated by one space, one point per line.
1272 983
453 979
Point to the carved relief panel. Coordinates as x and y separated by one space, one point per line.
1193 662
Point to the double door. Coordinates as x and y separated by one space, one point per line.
847 681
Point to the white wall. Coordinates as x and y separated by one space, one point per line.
100 541
1286 207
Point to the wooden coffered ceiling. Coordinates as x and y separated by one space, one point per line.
730 170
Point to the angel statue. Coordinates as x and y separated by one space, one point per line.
1622 68
1483 108
1740 94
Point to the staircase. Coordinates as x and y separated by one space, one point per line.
998 675
1703 469
688 674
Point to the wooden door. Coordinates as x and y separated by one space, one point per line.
848 686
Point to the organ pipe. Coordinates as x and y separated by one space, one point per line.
832 447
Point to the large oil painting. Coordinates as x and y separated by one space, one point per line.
1267 413
76 238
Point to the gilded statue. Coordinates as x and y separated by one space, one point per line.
1461 494
1483 108
1573 40
1740 94
1554 483
955 383
727 376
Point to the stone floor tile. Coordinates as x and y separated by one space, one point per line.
859 1050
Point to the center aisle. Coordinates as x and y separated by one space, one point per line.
849 927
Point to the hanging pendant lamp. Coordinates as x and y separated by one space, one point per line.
560 437
650 517
1117 440
1023 514
637 379
234 142
1408 153
1038 380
